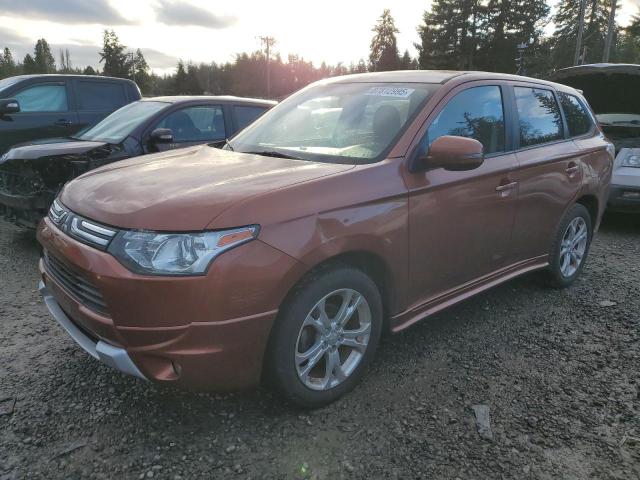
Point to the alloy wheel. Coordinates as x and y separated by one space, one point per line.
573 246
333 339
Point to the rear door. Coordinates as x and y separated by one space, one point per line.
46 111
96 99
550 169
193 125
460 222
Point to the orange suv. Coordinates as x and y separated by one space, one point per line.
359 205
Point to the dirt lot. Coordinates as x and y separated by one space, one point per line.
559 370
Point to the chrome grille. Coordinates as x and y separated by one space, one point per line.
80 289
80 228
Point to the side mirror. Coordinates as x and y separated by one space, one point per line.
451 153
9 105
161 135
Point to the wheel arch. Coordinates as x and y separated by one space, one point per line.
591 203
366 261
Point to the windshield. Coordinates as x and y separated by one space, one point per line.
119 125
339 123
619 118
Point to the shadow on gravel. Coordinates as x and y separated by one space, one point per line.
23 240
621 223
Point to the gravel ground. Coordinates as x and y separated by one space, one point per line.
558 371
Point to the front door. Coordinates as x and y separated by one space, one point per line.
460 223
193 126
45 112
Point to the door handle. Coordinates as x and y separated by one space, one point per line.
572 168
62 123
506 186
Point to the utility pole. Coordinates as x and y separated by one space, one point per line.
611 28
576 59
520 60
268 42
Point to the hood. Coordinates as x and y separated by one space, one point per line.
50 148
608 87
184 189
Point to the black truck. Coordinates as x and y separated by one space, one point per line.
33 107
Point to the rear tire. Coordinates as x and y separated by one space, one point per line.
570 248
325 336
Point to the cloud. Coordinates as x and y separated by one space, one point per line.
65 11
171 12
11 39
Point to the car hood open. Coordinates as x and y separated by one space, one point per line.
608 87
51 148
185 189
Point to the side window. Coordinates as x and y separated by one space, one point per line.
43 98
539 116
196 124
578 118
475 113
100 96
246 115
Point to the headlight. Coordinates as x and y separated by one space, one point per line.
154 253
632 159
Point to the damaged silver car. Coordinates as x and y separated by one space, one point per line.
613 92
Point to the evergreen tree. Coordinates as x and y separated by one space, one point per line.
384 48
43 58
509 23
7 64
566 31
450 34
116 61
180 81
192 84
478 35
140 72
628 44
29 65
406 62
89 70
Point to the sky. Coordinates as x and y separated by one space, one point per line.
208 30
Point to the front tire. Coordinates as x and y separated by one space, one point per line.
325 336
571 247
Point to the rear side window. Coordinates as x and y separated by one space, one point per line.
43 98
475 113
246 115
578 118
100 96
539 116
196 124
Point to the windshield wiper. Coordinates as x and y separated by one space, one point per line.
274 153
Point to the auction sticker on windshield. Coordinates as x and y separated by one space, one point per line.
397 92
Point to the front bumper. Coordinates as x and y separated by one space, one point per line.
115 357
624 198
205 333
